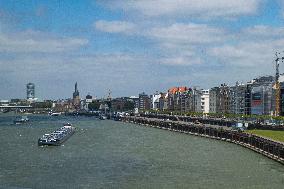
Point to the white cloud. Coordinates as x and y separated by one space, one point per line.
263 31
115 26
187 33
254 47
258 54
32 41
180 43
176 42
180 60
198 8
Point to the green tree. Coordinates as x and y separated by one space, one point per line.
128 105
42 104
95 105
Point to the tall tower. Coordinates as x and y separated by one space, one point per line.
30 91
76 92
76 97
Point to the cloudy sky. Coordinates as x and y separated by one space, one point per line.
134 46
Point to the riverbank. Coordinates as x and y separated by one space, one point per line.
269 148
273 135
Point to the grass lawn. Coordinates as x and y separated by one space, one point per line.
275 135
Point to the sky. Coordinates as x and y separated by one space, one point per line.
130 47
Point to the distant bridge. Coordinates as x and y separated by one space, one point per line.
11 107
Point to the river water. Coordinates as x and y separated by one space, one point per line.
109 154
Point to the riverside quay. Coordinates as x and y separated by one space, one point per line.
184 124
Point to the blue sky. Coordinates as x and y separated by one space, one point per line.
135 46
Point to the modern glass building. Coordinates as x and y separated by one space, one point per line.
262 99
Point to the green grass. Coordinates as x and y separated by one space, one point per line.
274 135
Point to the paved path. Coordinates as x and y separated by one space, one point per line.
187 123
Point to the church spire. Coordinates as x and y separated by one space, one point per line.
76 92
76 89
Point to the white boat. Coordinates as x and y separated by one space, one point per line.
21 120
54 113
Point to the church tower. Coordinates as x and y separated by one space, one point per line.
76 97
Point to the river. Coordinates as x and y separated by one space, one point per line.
109 154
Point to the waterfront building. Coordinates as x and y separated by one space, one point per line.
104 108
135 101
214 100
76 97
85 103
117 104
248 99
205 101
62 105
4 102
155 101
262 99
163 102
178 99
30 91
281 80
219 99
89 99
262 96
238 98
195 96
183 99
225 99
144 102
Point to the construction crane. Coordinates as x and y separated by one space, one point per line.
277 84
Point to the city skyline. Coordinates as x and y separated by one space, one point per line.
130 47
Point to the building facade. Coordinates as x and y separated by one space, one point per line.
144 102
205 101
178 99
262 99
238 98
155 101
219 99
30 91
76 97
262 96
214 100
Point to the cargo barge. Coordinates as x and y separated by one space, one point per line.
58 136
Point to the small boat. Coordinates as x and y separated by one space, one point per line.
54 113
23 119
102 117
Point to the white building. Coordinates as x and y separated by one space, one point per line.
85 103
155 103
4 102
205 101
